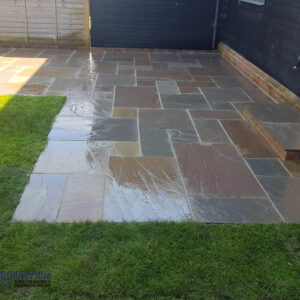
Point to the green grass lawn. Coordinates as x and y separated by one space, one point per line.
129 260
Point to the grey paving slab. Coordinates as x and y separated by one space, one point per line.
267 167
63 157
225 95
41 198
164 119
230 82
271 112
183 136
155 142
221 106
184 101
233 210
210 131
167 87
284 192
118 80
144 189
164 57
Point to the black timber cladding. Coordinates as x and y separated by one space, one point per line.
268 36
169 24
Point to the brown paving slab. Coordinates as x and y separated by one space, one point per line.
57 51
146 82
215 115
284 192
251 144
215 171
189 90
126 72
25 52
257 95
83 198
140 61
210 131
58 72
125 149
143 97
164 74
144 189
164 119
125 113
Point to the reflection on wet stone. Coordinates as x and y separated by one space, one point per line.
144 189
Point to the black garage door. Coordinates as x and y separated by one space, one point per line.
170 24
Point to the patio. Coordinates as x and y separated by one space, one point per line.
150 135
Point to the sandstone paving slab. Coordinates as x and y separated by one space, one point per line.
41 198
105 129
267 167
83 198
141 97
210 131
144 189
124 112
164 119
183 136
293 166
155 142
214 115
251 144
118 80
215 171
233 210
284 192
62 157
225 95
184 101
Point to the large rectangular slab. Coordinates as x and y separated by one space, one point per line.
284 192
184 101
118 80
251 144
164 74
225 95
63 157
142 97
144 189
233 210
164 119
214 115
215 171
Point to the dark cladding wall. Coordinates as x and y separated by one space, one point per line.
268 36
178 24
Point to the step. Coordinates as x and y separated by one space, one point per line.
278 123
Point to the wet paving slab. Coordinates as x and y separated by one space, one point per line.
151 135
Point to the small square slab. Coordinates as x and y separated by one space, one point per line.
284 192
144 189
215 171
233 210
155 142
143 97
167 87
184 101
164 119
267 167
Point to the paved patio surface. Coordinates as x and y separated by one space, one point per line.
149 135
